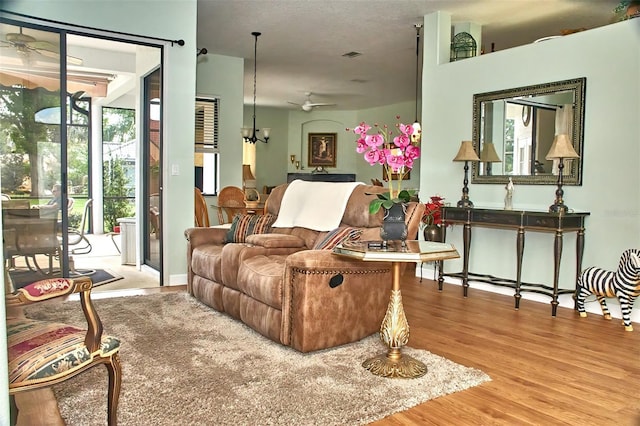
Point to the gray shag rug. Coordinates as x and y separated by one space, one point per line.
186 364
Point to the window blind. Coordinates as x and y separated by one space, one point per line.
207 125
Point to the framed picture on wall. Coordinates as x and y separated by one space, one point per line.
322 149
394 176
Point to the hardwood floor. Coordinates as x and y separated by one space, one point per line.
544 370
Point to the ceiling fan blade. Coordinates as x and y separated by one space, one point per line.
294 103
319 104
73 60
48 53
42 45
55 55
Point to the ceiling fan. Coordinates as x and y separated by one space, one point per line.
25 45
308 105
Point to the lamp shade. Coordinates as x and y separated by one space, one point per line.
466 152
417 130
489 154
561 148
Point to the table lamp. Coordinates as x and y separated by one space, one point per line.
561 148
466 154
488 156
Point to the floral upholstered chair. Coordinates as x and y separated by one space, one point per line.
43 353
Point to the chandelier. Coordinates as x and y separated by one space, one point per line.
249 135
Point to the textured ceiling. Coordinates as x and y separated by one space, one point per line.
302 42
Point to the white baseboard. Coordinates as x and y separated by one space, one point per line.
178 279
564 300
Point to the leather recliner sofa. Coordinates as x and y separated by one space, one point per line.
297 296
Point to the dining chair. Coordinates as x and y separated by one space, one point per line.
76 235
201 211
26 233
42 353
230 201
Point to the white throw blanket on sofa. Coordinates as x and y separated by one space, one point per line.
314 205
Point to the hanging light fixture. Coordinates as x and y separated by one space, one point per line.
417 130
249 135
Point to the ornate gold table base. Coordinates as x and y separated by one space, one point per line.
394 332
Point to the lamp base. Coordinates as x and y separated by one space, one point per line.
558 208
465 203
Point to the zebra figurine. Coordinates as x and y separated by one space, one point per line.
623 284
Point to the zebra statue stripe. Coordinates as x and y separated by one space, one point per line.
623 284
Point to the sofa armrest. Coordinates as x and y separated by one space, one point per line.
310 259
276 241
323 291
199 236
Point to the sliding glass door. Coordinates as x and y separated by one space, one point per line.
36 192
152 186
64 164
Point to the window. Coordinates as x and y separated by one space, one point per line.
206 145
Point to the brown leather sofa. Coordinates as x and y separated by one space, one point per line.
303 298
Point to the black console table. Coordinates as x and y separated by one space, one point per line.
322 177
520 221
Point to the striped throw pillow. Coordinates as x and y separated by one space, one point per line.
247 224
337 236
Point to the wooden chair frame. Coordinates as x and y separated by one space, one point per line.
230 201
60 287
201 211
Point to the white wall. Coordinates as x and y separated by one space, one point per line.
271 157
227 85
609 58
319 121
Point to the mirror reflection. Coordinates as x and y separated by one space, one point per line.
513 130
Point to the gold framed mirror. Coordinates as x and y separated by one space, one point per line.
513 130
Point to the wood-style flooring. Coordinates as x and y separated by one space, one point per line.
565 370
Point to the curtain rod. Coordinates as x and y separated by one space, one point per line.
51 21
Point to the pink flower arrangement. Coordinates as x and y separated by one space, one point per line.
395 153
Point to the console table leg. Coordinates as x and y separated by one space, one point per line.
466 236
579 253
440 263
557 254
519 251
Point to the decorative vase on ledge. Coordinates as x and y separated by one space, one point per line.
432 232
393 225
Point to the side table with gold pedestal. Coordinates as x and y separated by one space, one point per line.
394 331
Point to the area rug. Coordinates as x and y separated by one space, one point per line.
22 277
185 364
